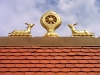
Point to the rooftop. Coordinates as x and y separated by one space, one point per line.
49 56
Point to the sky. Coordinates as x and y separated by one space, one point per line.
15 13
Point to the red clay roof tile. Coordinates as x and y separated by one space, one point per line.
49 73
10 65
40 73
83 61
61 73
29 73
93 73
14 69
20 65
60 65
24 69
83 73
80 65
65 69
18 73
49 61
71 73
8 73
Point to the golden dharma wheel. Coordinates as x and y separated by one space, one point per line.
50 19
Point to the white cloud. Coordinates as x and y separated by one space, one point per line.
15 13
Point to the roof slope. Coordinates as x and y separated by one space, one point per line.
50 60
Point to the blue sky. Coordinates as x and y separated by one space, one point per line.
14 13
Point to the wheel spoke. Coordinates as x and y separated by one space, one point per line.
50 16
47 17
53 22
51 19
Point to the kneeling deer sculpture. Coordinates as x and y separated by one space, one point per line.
22 32
79 33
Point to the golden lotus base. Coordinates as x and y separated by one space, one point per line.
77 35
51 35
21 35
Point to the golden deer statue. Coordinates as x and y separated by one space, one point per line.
22 32
79 33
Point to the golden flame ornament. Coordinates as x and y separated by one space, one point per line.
50 21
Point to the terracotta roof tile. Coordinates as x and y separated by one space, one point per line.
24 69
80 65
93 73
87 57
72 53
54 61
93 50
44 61
15 61
83 73
63 61
34 61
83 61
90 65
92 61
5 61
73 61
29 73
14 69
12 57
84 50
10 65
18 73
40 65
55 69
40 73
20 65
7 73
76 69
49 61
54 54
71 73
60 65
22 57
34 69
86 69
51 65
25 61
97 65
61 73
14 50
50 57
65 69
70 65
78 57
4 69
49 73
95 69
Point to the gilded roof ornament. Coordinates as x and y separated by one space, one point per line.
22 32
79 33
50 21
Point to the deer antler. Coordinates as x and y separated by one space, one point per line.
26 23
75 24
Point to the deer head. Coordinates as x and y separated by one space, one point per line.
72 25
29 25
